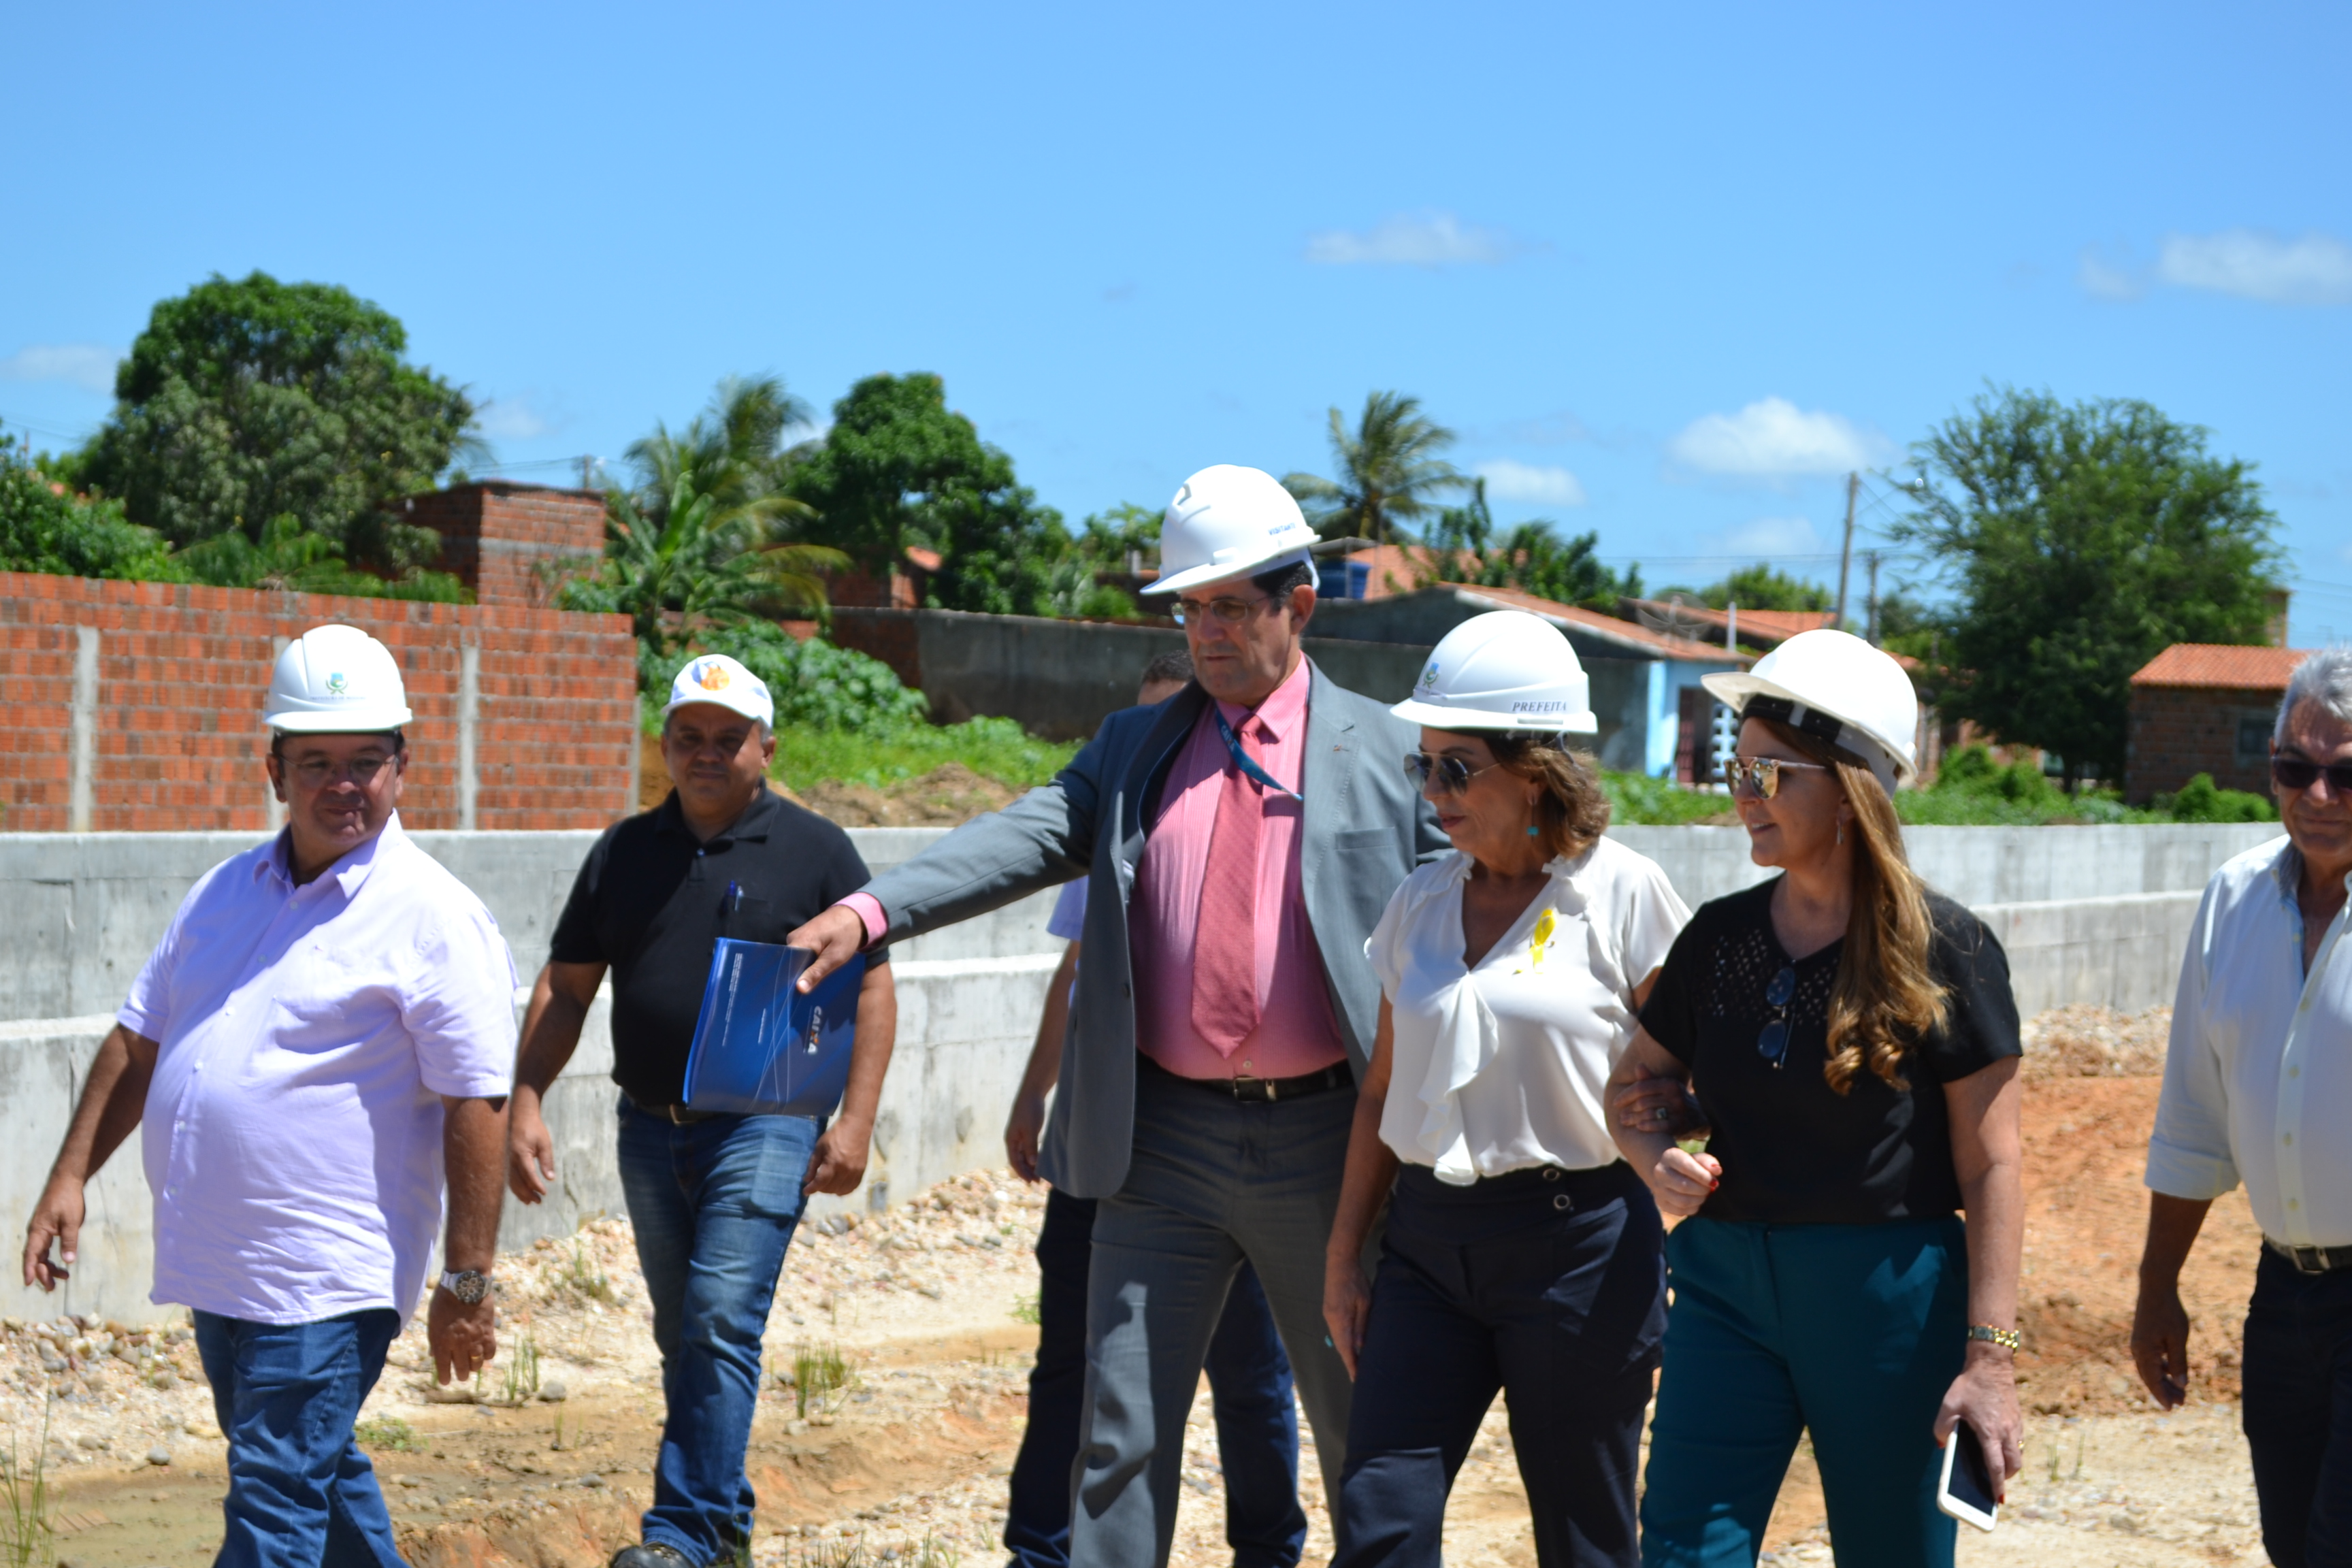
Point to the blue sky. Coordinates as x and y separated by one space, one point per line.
1669 271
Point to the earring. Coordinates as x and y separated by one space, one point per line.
1841 835
1531 830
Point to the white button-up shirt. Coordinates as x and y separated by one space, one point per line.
2258 1078
1501 1067
292 1137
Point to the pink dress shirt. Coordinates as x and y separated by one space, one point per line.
1297 1032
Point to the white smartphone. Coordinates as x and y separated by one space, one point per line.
1966 1491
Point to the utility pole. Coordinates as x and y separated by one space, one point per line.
1845 552
1870 559
587 473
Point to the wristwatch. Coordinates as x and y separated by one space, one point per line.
468 1285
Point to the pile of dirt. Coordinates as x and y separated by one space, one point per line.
948 795
2086 1041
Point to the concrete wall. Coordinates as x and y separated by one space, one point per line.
1060 678
2096 914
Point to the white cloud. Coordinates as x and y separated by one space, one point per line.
90 366
514 419
1545 486
2314 271
2102 281
1767 537
1773 438
1414 239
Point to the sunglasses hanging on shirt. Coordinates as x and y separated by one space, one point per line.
1772 1043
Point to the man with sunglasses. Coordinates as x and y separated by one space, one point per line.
1241 839
325 1033
2258 1088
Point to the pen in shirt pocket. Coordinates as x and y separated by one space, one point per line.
734 897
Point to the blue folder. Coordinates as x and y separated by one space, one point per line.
761 1048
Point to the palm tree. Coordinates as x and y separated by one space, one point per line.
1388 470
735 446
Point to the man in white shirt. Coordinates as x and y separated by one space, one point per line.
2258 1088
326 1027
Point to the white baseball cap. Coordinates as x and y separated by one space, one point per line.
1506 670
715 677
1835 687
1226 521
336 680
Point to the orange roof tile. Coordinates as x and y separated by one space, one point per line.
1626 632
2222 665
1767 626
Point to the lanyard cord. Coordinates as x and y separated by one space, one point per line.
1244 760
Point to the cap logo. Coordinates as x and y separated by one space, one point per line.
711 677
337 686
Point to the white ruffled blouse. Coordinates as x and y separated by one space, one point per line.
1501 1067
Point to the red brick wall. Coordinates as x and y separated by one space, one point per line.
182 672
494 535
2178 731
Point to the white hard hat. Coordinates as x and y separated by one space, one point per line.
1506 670
715 677
1226 521
336 680
1835 687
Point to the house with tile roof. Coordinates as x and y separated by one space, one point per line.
2205 707
1654 716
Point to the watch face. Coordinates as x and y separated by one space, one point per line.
469 1287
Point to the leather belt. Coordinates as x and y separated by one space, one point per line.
2312 1260
1262 1091
676 1115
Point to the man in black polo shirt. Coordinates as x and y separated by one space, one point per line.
713 1198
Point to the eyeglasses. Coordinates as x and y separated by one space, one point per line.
2302 772
1760 773
318 773
1228 611
1452 774
1772 1044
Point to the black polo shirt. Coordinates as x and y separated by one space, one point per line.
650 900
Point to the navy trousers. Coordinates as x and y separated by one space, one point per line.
1549 1285
1249 1377
2298 1412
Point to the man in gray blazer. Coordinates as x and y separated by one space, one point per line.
1244 838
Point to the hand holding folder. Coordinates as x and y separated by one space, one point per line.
761 1048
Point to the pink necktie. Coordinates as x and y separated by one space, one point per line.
1224 946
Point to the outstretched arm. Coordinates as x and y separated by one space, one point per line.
112 1100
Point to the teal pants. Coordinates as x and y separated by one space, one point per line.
1851 1331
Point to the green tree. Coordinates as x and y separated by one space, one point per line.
2079 540
1760 587
247 401
46 527
898 468
1531 558
735 448
1120 541
1390 471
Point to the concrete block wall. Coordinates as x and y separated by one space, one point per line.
2087 914
136 707
2179 731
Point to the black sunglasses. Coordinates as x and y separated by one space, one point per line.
1452 774
1772 1043
2302 772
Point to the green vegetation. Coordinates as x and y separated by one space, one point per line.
1532 558
1391 471
2201 800
993 748
819 1372
1760 587
1637 798
46 527
390 1434
521 1383
1026 1309
27 1538
583 1276
2079 540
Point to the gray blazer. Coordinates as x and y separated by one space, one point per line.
1364 829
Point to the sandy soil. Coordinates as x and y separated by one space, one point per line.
927 1306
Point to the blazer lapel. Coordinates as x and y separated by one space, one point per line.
1149 770
1330 782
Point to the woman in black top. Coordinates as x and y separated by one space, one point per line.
1846 1042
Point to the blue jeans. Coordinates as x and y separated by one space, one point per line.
300 1493
2298 1412
1852 1331
1249 1380
1548 1285
714 1203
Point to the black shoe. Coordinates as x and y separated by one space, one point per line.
650 1554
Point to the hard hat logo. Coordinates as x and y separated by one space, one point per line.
1429 676
337 686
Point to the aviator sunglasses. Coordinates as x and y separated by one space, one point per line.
1452 774
1760 773
1772 1043
2302 772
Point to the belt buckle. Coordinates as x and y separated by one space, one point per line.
674 1110
1265 1085
2308 1259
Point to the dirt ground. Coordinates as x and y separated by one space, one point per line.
947 796
927 1307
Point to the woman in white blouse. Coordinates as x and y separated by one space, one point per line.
1521 1253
